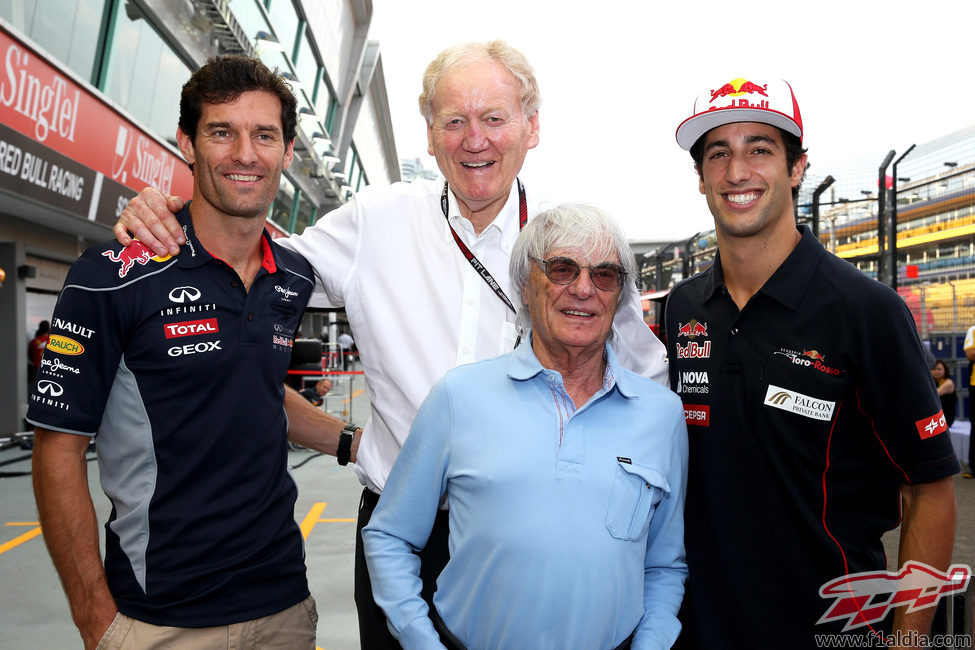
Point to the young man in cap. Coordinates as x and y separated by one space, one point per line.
812 417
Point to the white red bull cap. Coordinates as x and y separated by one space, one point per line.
742 100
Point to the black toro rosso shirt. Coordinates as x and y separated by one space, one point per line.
180 372
806 411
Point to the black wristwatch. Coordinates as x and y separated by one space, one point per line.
344 453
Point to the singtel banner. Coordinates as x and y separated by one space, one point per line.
63 146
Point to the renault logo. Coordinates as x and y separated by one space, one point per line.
48 387
184 294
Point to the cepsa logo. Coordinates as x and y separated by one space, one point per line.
929 427
697 414
864 598
64 345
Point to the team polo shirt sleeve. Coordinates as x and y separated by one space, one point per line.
894 387
91 324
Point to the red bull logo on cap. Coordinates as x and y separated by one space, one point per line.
129 256
737 88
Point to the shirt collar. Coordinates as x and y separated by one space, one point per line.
193 254
524 365
788 283
506 223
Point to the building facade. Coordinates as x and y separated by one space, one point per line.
89 100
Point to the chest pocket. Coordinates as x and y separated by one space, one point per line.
636 492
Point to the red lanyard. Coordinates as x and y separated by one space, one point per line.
471 258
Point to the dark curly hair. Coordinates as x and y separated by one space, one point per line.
223 79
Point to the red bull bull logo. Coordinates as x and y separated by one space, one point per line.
737 88
136 252
692 329
813 354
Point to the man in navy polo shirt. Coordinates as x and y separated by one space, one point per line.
812 419
177 363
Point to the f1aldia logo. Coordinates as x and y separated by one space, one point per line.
864 598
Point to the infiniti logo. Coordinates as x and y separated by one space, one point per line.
184 294
48 387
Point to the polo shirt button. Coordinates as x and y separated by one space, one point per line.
250 316
734 331
233 284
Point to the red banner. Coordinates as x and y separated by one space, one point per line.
37 100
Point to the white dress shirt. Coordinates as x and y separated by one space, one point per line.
416 306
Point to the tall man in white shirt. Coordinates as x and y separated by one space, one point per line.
424 261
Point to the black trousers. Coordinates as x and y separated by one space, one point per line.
374 634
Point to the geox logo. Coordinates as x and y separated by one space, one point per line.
804 405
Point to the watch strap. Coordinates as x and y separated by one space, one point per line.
344 452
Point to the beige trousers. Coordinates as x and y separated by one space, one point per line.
291 629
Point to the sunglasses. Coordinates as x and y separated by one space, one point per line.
564 270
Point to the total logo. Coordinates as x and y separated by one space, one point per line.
692 329
804 405
810 359
191 328
134 253
64 345
694 350
194 348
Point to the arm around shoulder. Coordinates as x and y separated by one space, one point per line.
67 516
150 216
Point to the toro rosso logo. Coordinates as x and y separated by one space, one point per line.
864 598
692 329
136 252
